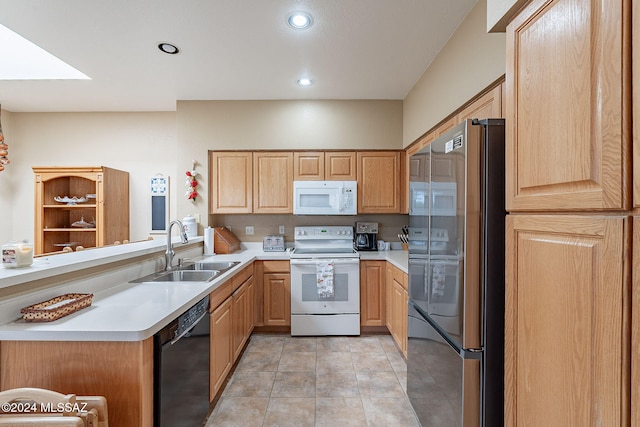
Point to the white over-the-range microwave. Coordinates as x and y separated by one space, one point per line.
325 197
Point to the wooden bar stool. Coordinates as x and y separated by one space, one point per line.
40 407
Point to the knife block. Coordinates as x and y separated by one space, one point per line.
224 241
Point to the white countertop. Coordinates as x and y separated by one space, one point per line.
47 266
398 258
136 311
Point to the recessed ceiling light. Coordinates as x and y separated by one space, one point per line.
300 20
168 48
305 82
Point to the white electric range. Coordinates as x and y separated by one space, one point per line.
325 282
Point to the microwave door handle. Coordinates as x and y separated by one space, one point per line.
335 202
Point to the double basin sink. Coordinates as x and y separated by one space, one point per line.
199 271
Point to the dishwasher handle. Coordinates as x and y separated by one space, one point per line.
186 331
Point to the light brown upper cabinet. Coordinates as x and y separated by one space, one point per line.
230 182
308 165
378 181
566 321
566 147
446 125
635 84
273 182
324 165
487 106
340 166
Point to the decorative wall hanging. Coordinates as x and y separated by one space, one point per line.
4 148
192 183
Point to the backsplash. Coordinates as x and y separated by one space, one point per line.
264 224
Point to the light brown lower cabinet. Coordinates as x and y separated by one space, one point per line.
372 293
221 346
122 372
388 286
567 324
239 319
400 300
397 299
635 331
242 311
251 306
231 306
276 282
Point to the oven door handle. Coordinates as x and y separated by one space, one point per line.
313 261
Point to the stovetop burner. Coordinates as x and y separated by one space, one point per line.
326 242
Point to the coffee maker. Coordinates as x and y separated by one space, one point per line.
365 237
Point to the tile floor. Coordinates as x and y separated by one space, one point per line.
325 381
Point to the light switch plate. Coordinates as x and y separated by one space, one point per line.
281 229
248 230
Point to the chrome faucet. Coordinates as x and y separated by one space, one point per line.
168 255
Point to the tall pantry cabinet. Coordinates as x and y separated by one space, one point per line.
569 223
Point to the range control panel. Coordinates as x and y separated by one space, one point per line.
318 233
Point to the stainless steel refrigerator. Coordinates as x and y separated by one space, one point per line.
455 362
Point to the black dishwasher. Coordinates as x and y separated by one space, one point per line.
181 369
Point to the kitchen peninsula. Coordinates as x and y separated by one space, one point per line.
107 348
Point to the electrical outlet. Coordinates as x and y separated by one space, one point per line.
248 230
281 229
197 217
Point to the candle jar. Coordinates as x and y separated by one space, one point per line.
17 254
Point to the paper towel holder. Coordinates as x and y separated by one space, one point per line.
209 240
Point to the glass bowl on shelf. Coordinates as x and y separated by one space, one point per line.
70 201
83 224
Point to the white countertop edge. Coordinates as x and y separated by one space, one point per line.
398 258
52 265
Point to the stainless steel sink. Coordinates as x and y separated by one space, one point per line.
211 265
187 276
199 271
179 276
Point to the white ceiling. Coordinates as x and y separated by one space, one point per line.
230 50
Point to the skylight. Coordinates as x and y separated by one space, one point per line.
23 60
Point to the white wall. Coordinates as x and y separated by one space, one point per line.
470 61
7 183
268 125
142 144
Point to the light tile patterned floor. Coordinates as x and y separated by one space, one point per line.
324 381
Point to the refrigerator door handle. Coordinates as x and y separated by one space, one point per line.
471 354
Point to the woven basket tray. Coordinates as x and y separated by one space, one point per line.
56 307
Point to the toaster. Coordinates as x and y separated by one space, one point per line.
273 244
